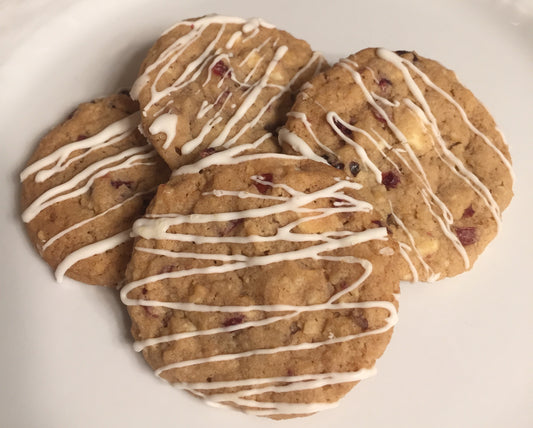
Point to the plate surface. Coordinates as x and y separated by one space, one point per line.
462 353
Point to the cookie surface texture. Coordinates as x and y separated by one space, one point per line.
215 82
86 183
262 284
428 154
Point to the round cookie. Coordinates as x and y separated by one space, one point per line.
263 284
86 183
428 154
214 82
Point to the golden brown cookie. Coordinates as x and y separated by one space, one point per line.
215 82
427 152
85 184
262 283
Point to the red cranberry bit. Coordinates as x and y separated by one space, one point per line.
207 152
149 310
343 285
166 269
390 179
222 99
346 131
384 84
361 321
355 168
379 117
233 320
220 69
290 372
81 137
230 226
469 212
117 183
377 223
263 188
467 235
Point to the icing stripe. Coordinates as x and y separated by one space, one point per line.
156 226
89 251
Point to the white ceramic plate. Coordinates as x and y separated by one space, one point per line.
462 354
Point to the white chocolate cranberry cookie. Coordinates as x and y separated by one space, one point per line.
428 154
262 283
86 183
215 82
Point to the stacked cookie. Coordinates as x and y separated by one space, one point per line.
264 273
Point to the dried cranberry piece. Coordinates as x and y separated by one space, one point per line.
263 188
346 131
222 99
220 68
355 168
238 319
230 226
469 212
384 84
81 137
207 152
149 310
379 117
377 223
343 285
117 183
390 179
361 321
166 269
467 235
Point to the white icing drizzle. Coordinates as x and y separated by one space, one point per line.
228 135
157 227
58 159
303 118
414 165
333 117
91 219
406 154
234 37
90 250
61 159
166 123
128 158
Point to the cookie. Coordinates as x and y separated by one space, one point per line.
262 283
88 180
427 152
215 82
